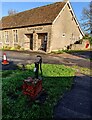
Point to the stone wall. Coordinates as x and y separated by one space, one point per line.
84 46
24 39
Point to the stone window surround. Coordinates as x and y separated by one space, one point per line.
35 38
6 35
63 35
15 36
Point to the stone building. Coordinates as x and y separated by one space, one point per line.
51 27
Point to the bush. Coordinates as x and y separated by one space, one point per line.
57 52
6 47
17 47
22 49
12 48
89 38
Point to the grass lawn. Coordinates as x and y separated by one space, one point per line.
56 80
82 70
68 51
74 51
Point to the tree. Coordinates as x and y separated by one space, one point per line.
12 12
86 19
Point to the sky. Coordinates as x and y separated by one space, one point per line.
23 5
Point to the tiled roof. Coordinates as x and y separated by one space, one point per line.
41 15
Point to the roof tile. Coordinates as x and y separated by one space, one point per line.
40 15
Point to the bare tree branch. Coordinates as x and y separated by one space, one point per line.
12 12
86 18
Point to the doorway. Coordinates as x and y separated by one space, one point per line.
42 41
31 41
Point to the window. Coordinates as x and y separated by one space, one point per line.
45 37
15 36
63 35
6 37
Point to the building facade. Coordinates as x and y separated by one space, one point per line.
47 28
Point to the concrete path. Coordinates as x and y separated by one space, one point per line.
76 103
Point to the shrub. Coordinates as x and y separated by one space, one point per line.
57 52
12 48
17 47
21 48
89 38
6 47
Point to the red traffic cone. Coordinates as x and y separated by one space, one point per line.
5 62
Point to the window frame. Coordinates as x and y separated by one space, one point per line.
15 36
63 35
6 35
